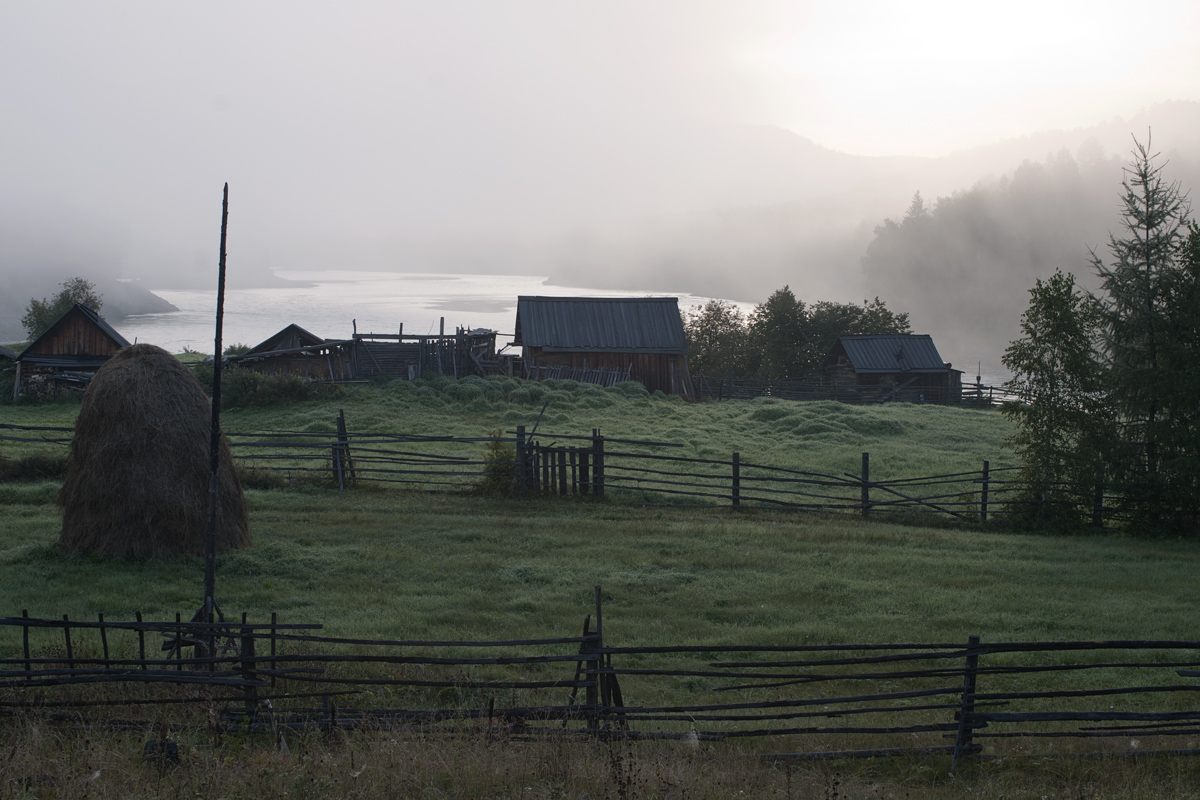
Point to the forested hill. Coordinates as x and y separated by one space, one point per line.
996 218
963 265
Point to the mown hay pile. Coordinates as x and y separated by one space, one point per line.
138 471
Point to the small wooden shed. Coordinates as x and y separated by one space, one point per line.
295 351
893 367
604 340
65 357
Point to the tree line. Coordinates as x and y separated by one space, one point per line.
965 261
1109 381
781 338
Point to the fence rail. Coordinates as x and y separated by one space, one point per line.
708 387
956 698
656 473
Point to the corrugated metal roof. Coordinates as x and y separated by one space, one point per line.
912 352
601 324
6 353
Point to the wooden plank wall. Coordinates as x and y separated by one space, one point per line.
75 336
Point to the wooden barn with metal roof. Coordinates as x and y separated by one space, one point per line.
897 367
604 340
67 355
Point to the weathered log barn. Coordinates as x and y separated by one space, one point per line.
295 351
65 357
604 340
893 367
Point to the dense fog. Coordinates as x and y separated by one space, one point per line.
669 146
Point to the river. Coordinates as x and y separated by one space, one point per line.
333 303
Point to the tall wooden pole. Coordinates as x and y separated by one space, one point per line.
210 539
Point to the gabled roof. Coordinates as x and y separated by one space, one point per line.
31 352
907 352
290 338
600 324
6 353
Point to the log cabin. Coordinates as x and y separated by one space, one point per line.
604 340
67 354
892 367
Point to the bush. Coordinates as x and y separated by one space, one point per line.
243 388
499 467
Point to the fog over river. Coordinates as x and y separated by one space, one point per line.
328 303
331 303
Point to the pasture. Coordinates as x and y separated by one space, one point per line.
380 563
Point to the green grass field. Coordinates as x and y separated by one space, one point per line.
377 562
383 562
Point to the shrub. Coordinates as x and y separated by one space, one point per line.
243 388
499 467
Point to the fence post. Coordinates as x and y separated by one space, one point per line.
344 440
597 464
1098 500
67 636
601 680
249 671
522 462
338 472
25 641
585 475
141 640
866 490
275 615
737 479
592 692
103 640
983 494
964 742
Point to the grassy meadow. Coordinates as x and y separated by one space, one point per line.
904 440
377 562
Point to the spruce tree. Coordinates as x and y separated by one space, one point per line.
1138 288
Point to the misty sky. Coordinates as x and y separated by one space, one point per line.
352 133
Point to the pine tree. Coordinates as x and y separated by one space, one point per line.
1138 287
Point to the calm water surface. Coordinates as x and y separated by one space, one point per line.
332 300
329 303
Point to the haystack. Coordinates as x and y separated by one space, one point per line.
138 472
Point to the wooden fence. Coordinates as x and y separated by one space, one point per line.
597 466
810 701
708 387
